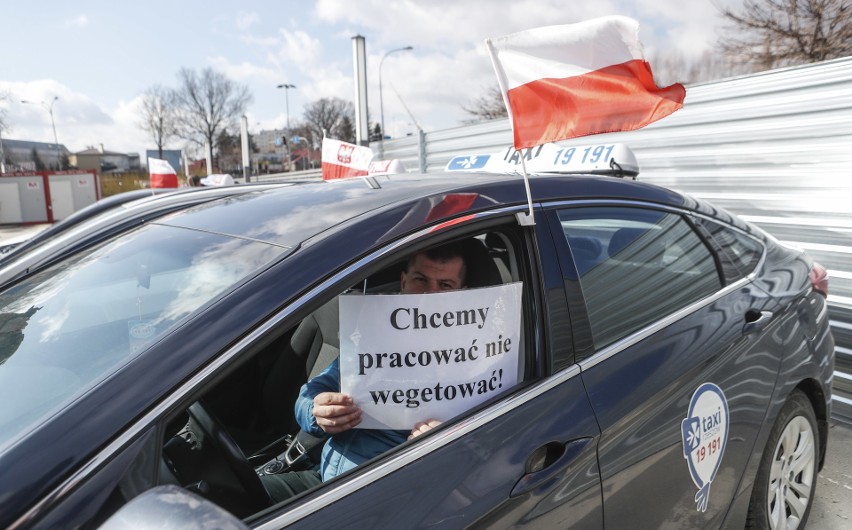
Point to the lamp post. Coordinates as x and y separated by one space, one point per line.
381 101
49 109
287 87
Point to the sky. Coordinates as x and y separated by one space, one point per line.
98 57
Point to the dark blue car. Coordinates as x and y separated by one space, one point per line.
674 363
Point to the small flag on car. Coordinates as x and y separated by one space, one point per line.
163 175
574 80
342 159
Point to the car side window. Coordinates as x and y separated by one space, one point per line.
635 266
742 251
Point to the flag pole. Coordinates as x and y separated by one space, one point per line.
527 219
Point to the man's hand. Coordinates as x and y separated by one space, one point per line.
422 427
336 412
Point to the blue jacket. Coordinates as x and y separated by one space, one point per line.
348 449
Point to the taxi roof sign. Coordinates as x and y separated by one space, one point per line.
611 159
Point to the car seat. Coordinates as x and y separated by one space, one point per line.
482 271
586 252
639 245
316 340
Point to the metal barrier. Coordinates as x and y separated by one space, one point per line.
773 147
310 174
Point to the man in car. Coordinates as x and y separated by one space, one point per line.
321 409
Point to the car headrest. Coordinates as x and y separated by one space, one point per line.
494 241
638 244
317 339
481 269
586 252
622 238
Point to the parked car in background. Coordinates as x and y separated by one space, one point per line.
8 252
104 218
675 362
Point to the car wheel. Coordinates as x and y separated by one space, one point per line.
786 479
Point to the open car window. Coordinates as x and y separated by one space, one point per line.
251 414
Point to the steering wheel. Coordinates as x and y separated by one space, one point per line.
228 449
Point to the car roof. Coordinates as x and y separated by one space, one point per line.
290 216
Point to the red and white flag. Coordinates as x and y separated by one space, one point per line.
573 80
341 159
163 175
386 167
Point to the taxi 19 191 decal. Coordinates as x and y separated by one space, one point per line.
705 435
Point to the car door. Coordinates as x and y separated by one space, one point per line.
677 359
526 458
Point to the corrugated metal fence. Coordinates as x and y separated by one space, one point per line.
775 148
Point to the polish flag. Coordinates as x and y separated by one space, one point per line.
341 159
574 80
163 175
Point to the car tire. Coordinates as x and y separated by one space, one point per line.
784 489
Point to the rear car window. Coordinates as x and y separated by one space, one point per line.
636 266
742 251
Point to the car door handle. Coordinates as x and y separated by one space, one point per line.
546 464
756 320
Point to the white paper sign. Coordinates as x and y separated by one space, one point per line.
411 357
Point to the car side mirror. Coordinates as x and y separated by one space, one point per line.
171 508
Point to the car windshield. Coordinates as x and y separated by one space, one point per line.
70 326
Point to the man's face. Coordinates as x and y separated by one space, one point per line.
429 276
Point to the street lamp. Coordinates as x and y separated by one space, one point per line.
381 101
287 87
49 109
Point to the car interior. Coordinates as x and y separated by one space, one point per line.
245 425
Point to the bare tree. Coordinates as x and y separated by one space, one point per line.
333 116
674 67
487 107
158 115
206 104
773 33
347 129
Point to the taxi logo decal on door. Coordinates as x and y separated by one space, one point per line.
705 435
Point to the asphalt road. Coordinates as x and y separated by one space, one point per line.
832 509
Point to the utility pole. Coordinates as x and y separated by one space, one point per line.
287 87
359 60
244 147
